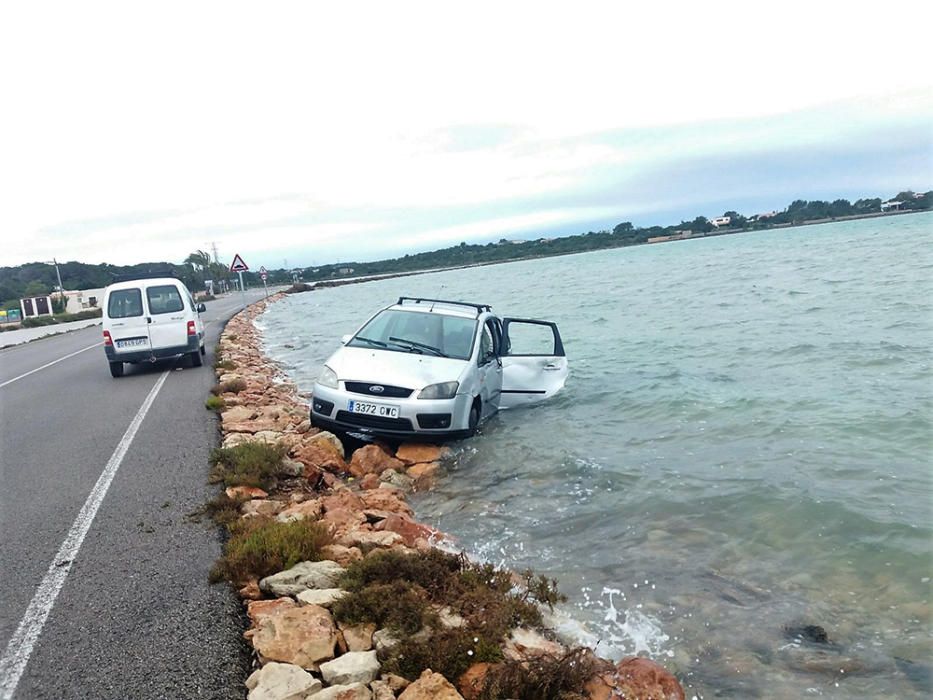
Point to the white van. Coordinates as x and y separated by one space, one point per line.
150 319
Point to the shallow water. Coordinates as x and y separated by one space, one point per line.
744 445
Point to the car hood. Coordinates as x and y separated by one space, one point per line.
405 369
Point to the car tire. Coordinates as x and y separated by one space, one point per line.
196 360
203 351
473 420
116 369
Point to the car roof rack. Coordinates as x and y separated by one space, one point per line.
418 300
145 275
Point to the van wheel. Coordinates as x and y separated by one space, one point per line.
203 351
473 420
116 369
196 360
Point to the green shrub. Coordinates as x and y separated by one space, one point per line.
544 677
259 547
449 652
249 464
222 509
400 606
234 386
224 364
214 403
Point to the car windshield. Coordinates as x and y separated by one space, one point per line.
419 332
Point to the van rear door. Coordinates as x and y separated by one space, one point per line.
126 321
168 327
534 366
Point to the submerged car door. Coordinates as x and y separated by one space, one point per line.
534 366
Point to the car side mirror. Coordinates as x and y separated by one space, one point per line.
346 339
201 307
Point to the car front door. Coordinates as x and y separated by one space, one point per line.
489 370
534 366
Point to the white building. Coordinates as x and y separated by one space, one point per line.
83 300
721 221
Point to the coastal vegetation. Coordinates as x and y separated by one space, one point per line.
34 279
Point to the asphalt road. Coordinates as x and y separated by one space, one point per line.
125 612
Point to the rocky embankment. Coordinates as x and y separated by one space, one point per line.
348 596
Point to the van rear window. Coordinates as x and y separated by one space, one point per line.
125 303
164 299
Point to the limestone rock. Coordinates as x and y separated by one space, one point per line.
635 677
245 493
372 459
394 479
423 474
368 539
352 667
261 508
409 530
300 511
414 453
396 682
251 590
291 467
354 691
381 690
370 481
342 498
342 519
304 636
384 640
525 643
325 597
302 576
319 455
276 681
430 686
473 680
331 438
342 555
257 610
390 500
358 637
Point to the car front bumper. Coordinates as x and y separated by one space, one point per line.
432 419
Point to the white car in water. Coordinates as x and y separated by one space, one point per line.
436 369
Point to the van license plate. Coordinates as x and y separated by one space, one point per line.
132 343
373 409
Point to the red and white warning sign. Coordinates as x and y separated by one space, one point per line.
238 265
262 273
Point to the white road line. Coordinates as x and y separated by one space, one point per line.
49 364
21 645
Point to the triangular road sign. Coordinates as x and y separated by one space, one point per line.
238 265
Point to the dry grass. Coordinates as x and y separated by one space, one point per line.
214 403
249 464
234 386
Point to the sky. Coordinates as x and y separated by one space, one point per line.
324 132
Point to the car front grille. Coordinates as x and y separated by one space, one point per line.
365 421
389 392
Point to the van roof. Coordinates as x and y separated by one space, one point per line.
144 282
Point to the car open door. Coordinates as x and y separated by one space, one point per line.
534 366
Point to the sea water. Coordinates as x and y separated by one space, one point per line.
742 452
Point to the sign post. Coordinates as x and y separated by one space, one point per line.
240 267
263 274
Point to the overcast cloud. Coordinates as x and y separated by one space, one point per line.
138 132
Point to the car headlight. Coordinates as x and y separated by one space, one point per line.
444 390
328 378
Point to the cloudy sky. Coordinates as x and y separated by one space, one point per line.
318 132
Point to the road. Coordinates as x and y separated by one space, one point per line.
103 572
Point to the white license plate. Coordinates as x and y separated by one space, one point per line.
132 343
373 409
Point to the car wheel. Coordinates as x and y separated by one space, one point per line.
116 369
196 360
203 351
473 420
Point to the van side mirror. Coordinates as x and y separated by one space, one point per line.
346 339
201 307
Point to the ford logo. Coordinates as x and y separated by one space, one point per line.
376 389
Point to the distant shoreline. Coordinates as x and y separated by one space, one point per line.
343 281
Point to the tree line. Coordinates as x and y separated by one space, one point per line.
36 279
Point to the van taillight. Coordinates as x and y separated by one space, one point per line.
191 330
107 339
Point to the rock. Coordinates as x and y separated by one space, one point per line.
409 530
257 610
245 493
332 439
352 667
325 597
303 427
276 681
473 681
319 455
430 686
396 480
412 453
342 498
372 459
813 634
449 619
384 640
358 637
355 691
423 474
251 590
381 690
343 519
302 576
342 555
235 416
368 539
370 481
261 508
241 419
300 511
389 500
304 636
524 643
635 677
396 682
